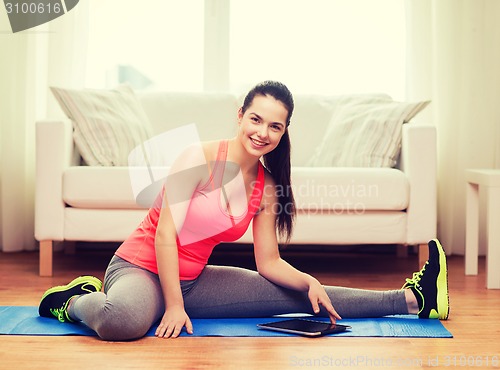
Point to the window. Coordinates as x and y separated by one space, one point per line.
151 43
318 46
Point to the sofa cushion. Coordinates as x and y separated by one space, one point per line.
98 187
311 117
352 190
107 124
365 134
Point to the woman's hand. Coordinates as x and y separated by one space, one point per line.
318 296
172 322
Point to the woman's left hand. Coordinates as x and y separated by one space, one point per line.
317 295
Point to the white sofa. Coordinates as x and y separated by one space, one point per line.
337 206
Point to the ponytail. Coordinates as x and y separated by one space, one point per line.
278 163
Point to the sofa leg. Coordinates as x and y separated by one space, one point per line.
423 254
46 249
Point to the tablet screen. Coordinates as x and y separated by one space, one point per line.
304 327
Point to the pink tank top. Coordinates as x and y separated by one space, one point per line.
206 224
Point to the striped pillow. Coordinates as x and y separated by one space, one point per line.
107 124
365 134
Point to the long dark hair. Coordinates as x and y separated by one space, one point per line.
277 161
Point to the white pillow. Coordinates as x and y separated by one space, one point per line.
107 124
365 134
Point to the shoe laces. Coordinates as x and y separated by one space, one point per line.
417 276
61 313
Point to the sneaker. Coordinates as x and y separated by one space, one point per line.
55 301
430 285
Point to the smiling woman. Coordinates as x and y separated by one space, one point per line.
318 46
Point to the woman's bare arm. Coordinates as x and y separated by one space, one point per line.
269 262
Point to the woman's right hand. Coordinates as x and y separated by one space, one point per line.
172 322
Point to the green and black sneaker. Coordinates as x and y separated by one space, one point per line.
430 285
55 301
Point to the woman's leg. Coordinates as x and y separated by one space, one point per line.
131 303
235 292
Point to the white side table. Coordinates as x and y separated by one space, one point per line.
476 181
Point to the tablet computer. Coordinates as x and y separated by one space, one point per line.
309 328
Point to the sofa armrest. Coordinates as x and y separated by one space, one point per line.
419 162
54 153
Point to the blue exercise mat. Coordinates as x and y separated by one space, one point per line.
24 320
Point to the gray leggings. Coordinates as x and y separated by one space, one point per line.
132 300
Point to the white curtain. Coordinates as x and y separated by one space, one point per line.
30 61
454 60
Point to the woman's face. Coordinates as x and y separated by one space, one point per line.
262 125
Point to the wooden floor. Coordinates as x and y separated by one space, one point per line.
474 322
